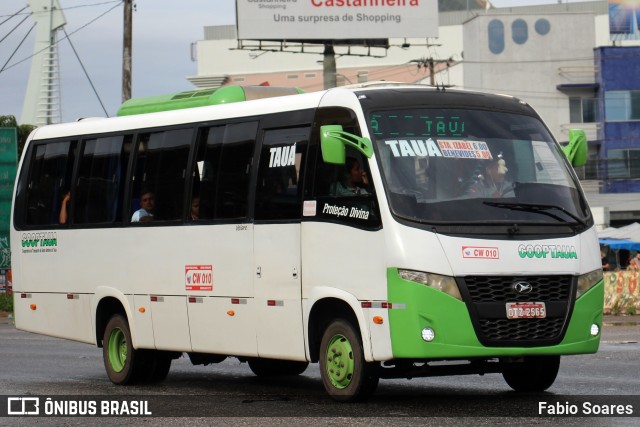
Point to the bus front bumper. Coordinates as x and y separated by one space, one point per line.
427 313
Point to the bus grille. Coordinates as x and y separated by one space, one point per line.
499 289
521 329
486 298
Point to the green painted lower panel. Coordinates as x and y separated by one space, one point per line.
417 306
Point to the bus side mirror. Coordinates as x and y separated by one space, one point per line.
333 140
576 149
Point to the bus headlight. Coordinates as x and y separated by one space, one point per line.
444 284
588 281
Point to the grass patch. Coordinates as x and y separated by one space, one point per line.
6 302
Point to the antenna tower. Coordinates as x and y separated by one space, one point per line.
42 103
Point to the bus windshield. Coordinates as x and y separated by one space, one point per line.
474 166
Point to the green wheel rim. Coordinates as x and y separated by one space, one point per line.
340 364
117 349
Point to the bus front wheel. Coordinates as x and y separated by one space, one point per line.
122 362
534 373
346 375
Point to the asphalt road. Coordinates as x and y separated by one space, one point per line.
39 366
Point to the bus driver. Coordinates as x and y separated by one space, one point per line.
493 182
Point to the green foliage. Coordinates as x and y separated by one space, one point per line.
631 308
624 305
6 302
23 130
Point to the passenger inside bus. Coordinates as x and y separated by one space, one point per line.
353 181
492 182
64 208
195 208
147 207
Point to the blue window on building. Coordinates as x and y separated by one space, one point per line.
622 105
543 26
519 31
624 163
496 36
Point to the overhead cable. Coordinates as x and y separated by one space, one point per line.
67 35
65 8
11 16
85 72
14 28
16 49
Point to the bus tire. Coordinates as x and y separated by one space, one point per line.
155 366
535 373
123 363
274 368
346 376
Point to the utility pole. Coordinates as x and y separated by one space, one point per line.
432 72
431 63
329 66
126 50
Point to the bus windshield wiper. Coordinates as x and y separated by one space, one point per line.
543 209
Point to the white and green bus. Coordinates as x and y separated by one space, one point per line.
383 231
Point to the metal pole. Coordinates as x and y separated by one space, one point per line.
126 50
432 71
329 66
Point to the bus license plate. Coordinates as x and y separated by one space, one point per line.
526 310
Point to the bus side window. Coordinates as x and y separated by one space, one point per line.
49 180
278 193
209 155
223 170
235 170
161 169
100 180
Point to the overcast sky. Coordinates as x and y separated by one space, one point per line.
163 31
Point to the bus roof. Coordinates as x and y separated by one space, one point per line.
344 95
202 97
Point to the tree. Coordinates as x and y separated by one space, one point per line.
23 130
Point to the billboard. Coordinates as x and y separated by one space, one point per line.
624 19
336 19
8 168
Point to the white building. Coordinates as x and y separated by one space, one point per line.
531 69
541 54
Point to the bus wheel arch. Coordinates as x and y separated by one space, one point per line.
125 363
323 312
106 309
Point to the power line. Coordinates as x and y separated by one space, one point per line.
11 16
85 72
14 28
64 8
19 44
67 35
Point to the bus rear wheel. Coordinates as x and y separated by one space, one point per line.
346 376
155 366
123 363
274 368
535 373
